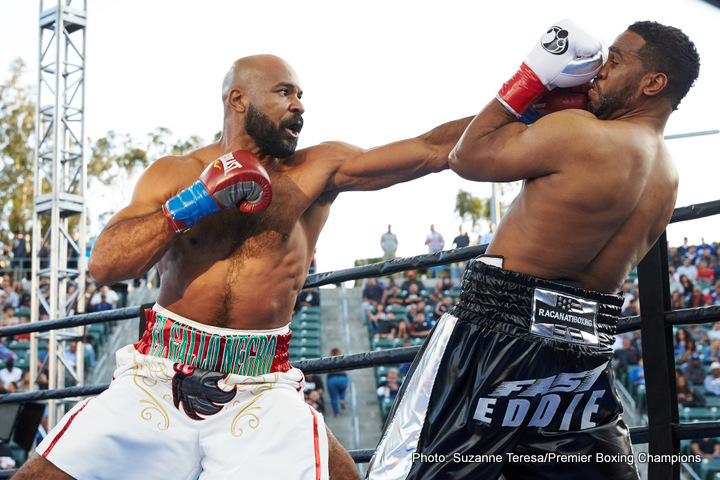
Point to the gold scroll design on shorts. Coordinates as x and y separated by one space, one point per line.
247 414
150 373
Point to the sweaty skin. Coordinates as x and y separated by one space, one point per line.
244 270
598 192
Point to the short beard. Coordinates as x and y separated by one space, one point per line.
268 137
611 102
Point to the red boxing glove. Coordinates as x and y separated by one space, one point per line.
559 99
237 178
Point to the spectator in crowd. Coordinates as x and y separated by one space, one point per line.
636 376
411 279
443 307
110 295
309 297
461 240
102 305
24 385
675 285
687 284
706 275
435 296
389 387
705 249
448 285
628 354
690 349
20 255
681 338
684 248
715 293
314 389
371 296
695 299
10 376
487 237
421 327
11 297
688 269
677 301
714 338
434 241
694 370
337 383
393 297
413 296
688 396
698 334
632 308
712 380
389 244
386 326
706 448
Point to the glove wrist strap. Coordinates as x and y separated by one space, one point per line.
521 90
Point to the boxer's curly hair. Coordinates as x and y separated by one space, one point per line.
670 51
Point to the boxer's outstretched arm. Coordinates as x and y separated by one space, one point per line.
397 162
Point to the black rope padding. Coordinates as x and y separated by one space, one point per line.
395 266
693 212
74 321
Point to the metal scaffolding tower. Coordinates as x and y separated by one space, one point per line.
60 184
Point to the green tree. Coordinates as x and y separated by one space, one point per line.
111 157
17 133
471 208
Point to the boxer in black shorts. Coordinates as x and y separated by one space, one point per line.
516 379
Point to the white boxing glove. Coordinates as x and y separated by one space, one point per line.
565 56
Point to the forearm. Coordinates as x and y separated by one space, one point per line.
483 139
130 247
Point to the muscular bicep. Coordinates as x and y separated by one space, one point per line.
515 151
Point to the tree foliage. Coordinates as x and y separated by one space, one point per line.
471 208
17 154
112 156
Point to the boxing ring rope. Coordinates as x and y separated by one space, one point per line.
663 432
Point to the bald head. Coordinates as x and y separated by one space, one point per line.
246 72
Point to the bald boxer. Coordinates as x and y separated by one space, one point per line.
517 379
208 391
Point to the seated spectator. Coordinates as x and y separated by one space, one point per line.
389 387
712 380
636 376
694 370
695 299
714 337
628 354
371 296
393 296
411 279
102 305
706 275
385 325
10 377
687 284
420 328
686 354
675 285
110 295
413 295
715 293
681 338
687 269
436 295
443 307
12 299
632 308
314 389
698 334
688 396
309 297
677 301
448 285
706 448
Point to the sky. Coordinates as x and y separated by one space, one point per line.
372 72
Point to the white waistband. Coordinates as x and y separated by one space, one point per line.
217 330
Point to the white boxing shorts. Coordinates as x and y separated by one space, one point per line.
195 402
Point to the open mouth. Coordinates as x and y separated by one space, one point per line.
294 128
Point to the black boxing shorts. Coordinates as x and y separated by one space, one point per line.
515 380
